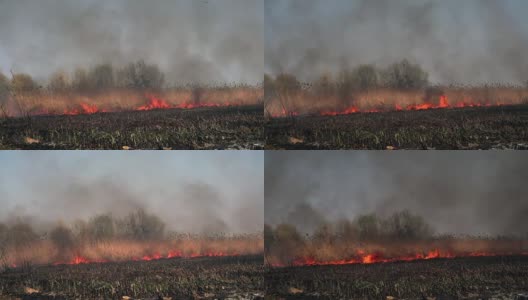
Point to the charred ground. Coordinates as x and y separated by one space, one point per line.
503 277
179 278
239 127
501 127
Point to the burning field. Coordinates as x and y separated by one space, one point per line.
103 225
127 75
178 278
362 74
409 226
101 259
184 118
325 117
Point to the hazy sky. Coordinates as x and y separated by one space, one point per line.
191 191
470 192
191 40
470 41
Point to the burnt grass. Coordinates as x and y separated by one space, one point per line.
200 128
458 278
180 278
504 127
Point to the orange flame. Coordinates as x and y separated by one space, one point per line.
155 103
369 258
78 259
443 103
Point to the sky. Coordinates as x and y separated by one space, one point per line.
456 192
203 41
469 42
191 191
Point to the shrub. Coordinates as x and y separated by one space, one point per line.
58 82
140 75
101 227
81 81
21 234
404 75
286 83
365 77
62 237
269 237
324 86
102 77
368 227
4 89
142 226
23 83
346 230
406 226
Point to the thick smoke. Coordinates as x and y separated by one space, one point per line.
193 41
456 192
470 42
190 192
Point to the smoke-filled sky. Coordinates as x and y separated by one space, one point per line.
470 41
191 40
456 192
190 191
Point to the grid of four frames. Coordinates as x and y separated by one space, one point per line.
296 94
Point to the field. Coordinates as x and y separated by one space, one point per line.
232 127
183 278
503 277
495 127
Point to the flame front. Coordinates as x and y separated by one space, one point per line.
442 103
362 257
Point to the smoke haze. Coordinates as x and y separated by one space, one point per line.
192 41
208 192
456 192
466 42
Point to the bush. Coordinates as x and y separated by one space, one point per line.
23 83
269 86
406 226
324 86
324 233
287 233
368 227
140 75
4 89
142 226
62 237
269 237
404 75
286 83
365 77
81 81
102 77
346 231
101 227
21 234
58 82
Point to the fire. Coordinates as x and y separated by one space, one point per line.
83 108
78 259
443 103
154 103
362 257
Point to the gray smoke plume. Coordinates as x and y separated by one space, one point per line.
456 192
191 192
192 41
469 42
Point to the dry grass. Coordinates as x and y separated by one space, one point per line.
43 102
339 249
45 252
307 101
